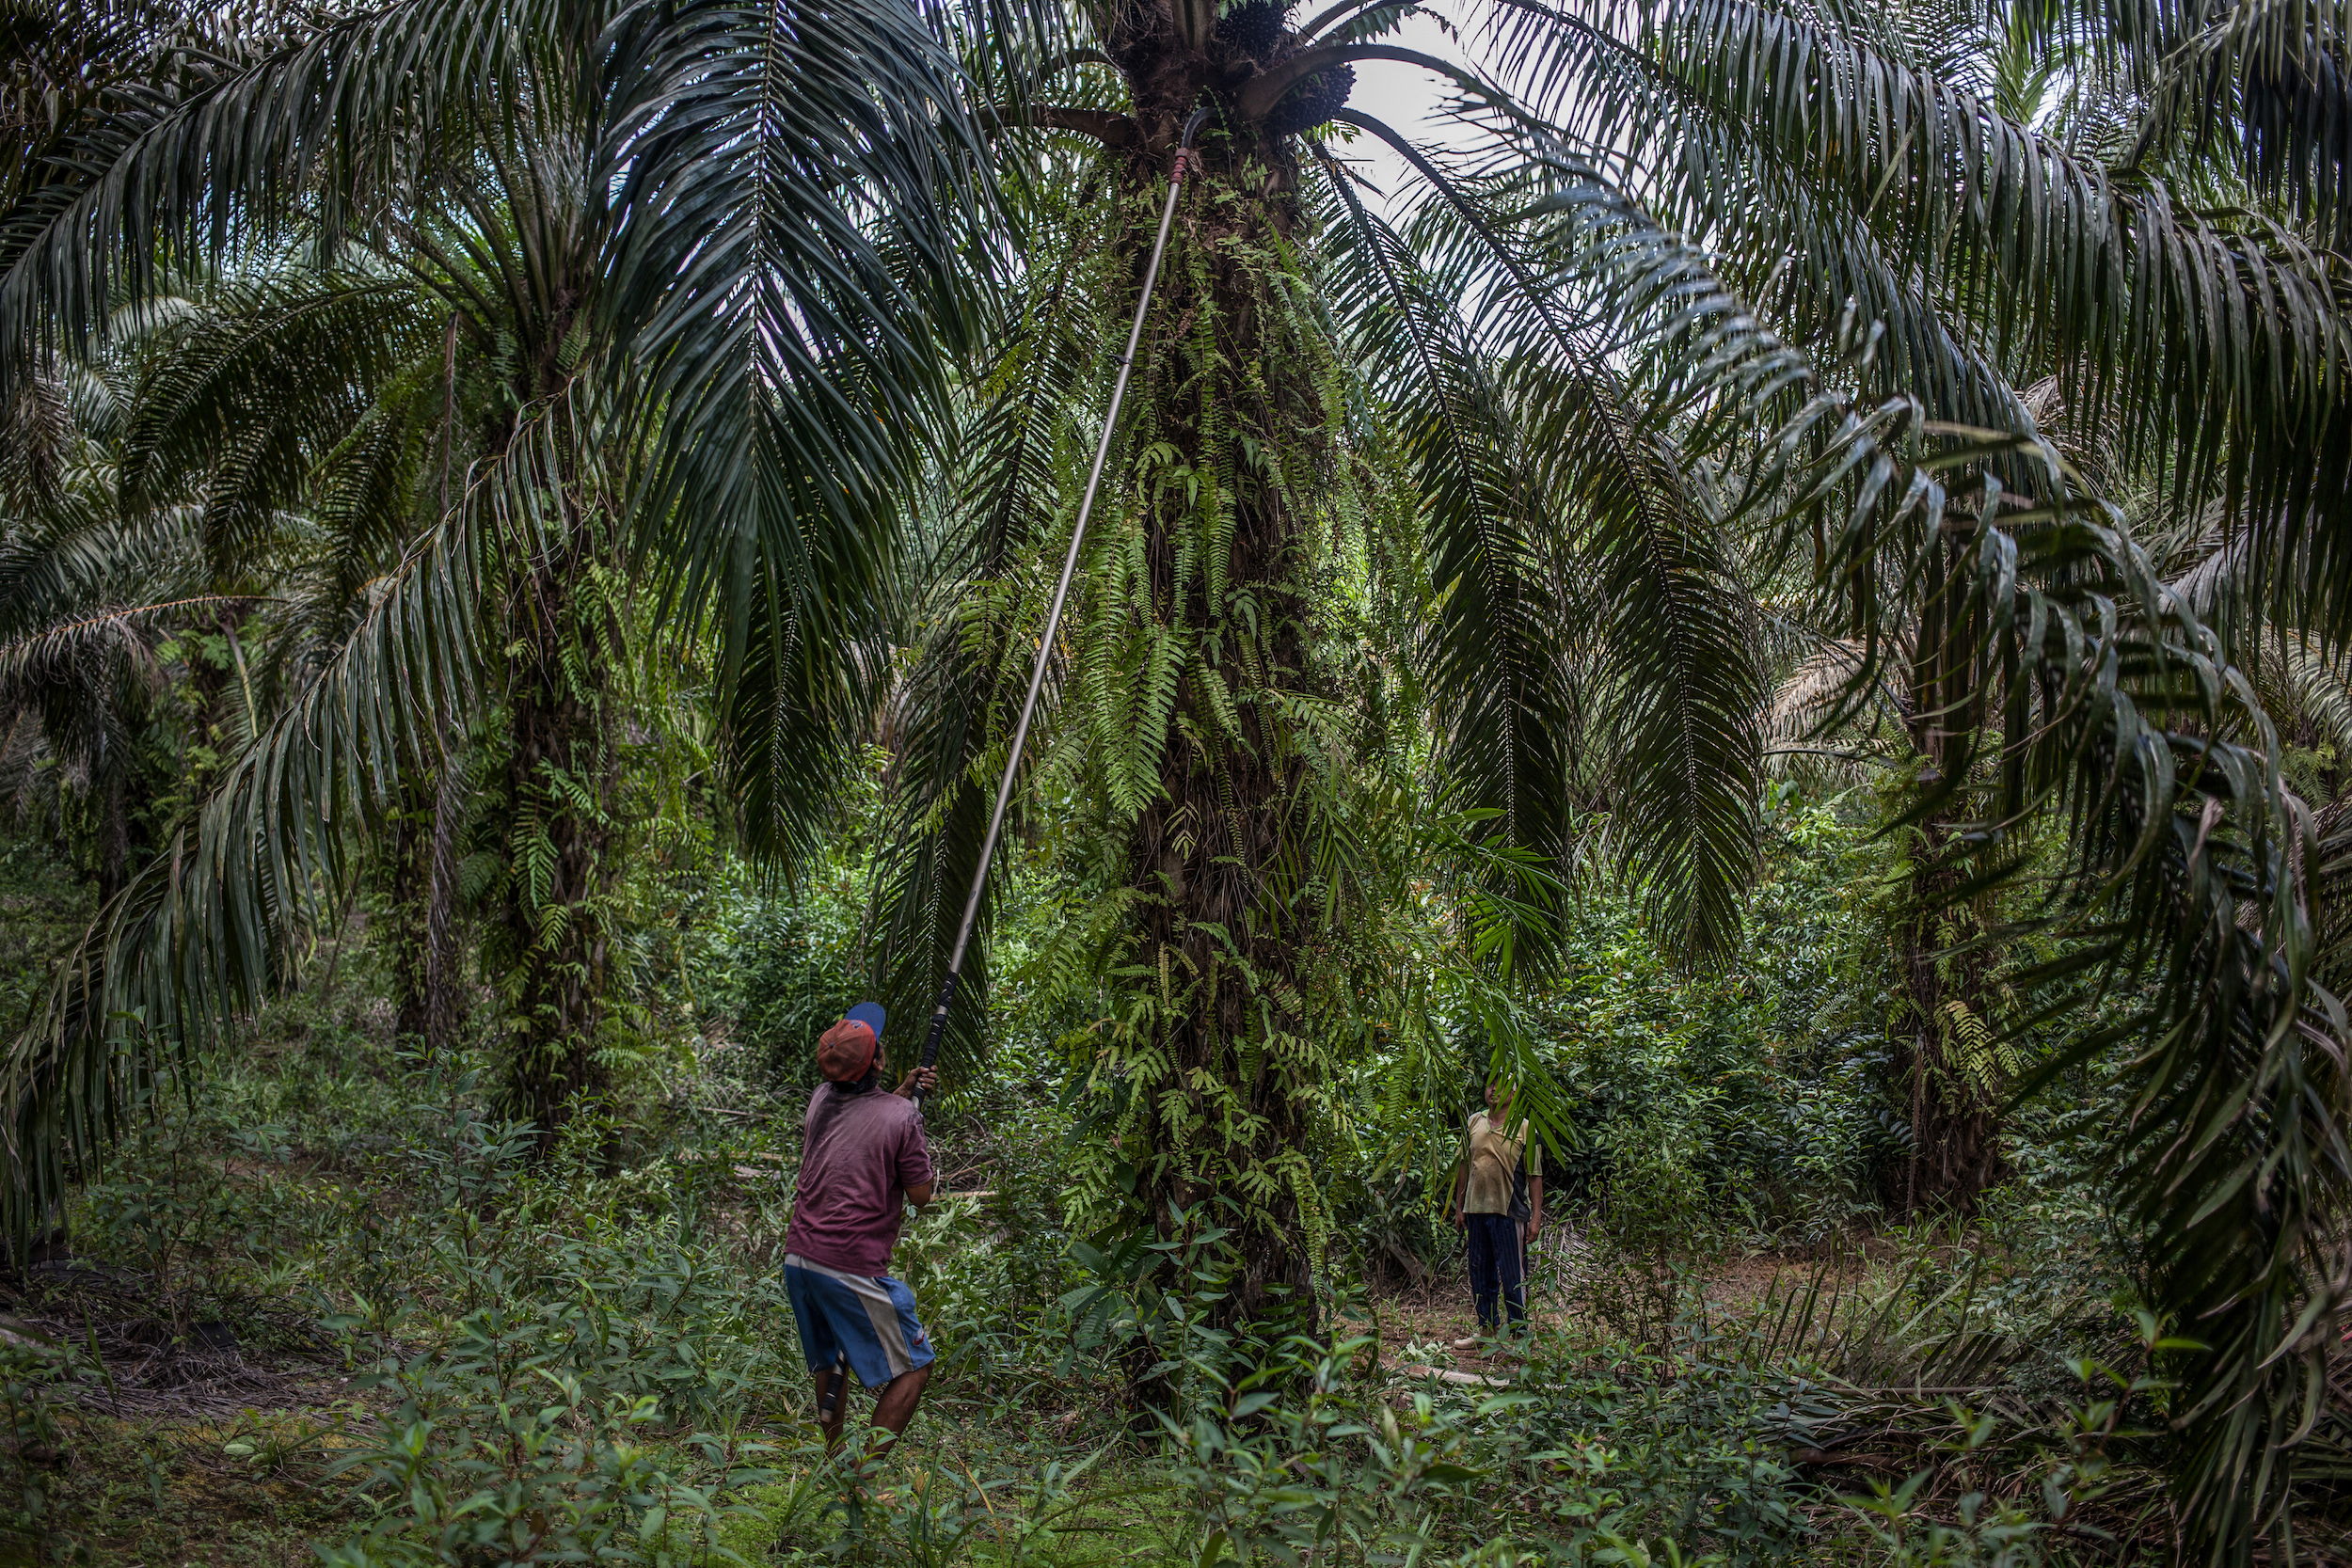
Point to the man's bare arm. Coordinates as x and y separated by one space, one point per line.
919 1194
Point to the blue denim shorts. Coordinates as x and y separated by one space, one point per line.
868 1318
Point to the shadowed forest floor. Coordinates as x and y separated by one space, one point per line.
322 1303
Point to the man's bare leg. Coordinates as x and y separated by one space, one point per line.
829 1421
892 1410
896 1408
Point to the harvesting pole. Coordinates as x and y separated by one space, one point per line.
1061 594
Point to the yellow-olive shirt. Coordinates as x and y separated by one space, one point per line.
1494 1160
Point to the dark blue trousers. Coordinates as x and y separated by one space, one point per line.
1496 1277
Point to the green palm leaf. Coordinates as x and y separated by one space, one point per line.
2060 658
2211 342
211 927
1565 537
785 270
253 390
2267 84
1494 658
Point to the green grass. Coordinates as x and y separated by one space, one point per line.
350 1211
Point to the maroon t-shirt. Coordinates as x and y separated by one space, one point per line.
861 1154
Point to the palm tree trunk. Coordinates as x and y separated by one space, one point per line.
547 950
444 963
114 827
560 779
1228 1123
426 962
1954 1105
1946 1071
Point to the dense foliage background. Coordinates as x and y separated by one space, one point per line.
1784 601
324 1293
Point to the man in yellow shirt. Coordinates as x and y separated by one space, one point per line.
1499 1201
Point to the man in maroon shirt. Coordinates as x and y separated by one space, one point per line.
864 1160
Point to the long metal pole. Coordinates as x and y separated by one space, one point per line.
1061 594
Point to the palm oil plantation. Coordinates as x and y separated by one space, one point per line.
1775 585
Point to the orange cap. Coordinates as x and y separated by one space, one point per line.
847 1051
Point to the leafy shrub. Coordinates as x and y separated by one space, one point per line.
1774 1062
598 1399
499 1450
165 1204
30 1371
1320 1476
1291 1458
991 1272
1627 1442
1654 1222
794 969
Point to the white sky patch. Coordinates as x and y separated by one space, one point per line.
1413 101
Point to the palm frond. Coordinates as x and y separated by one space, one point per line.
211 927
363 510
1556 516
2211 342
74 557
1493 660
2269 84
37 436
2305 689
34 656
788 275
250 393
2056 665
310 132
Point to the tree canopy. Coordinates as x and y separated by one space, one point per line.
1957 387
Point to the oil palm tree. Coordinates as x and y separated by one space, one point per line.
234 474
1738 293
703 304
81 679
1268 608
305 409
139 515
2160 244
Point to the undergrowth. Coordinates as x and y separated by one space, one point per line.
452 1353
323 1304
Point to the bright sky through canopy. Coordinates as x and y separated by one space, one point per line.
1412 100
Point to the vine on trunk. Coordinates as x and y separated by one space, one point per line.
1201 669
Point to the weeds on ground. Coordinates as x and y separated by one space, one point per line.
485 1358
